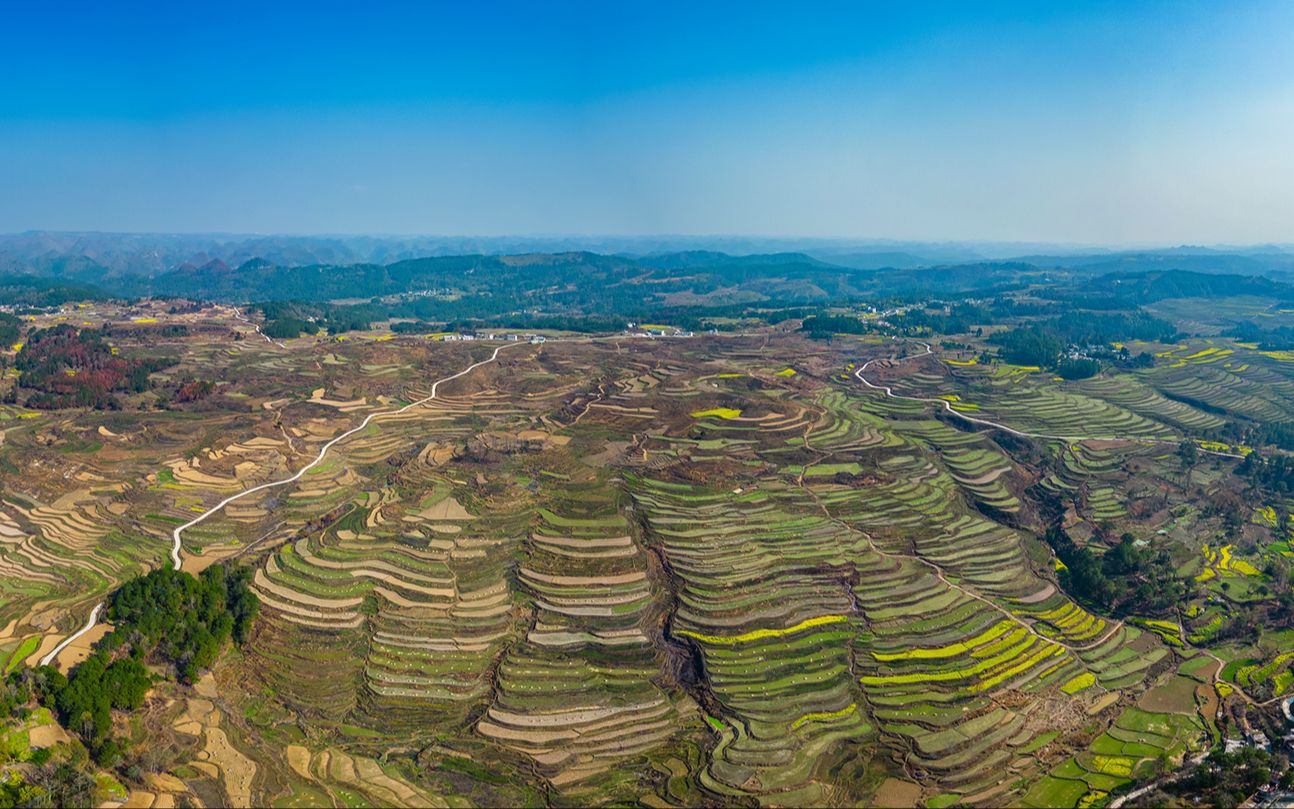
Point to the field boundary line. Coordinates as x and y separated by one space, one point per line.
948 406
176 535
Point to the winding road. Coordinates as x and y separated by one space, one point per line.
948 406
94 619
858 374
177 534
238 315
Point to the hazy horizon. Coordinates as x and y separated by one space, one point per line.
789 238
554 235
735 243
1090 125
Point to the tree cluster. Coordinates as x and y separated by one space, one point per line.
183 620
1257 434
194 390
70 367
1079 368
10 329
821 327
1091 334
1280 338
166 618
1227 779
37 292
49 785
1274 473
1126 579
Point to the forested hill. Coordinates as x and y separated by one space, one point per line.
481 284
592 281
27 290
695 278
1148 287
554 279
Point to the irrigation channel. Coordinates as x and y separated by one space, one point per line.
177 534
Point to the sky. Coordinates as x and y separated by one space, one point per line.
1081 122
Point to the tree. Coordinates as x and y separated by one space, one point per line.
1189 454
168 616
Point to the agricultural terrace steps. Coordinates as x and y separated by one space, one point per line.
970 592
948 406
176 535
1235 687
858 374
939 574
94 618
323 451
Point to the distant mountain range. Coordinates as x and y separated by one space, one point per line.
683 271
73 253
84 256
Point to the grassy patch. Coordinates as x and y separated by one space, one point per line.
20 654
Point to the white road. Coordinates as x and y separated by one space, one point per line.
177 534
238 315
94 618
1120 801
948 406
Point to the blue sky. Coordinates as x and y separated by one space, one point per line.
1085 122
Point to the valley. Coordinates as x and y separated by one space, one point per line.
742 567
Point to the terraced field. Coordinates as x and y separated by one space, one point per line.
662 572
764 603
